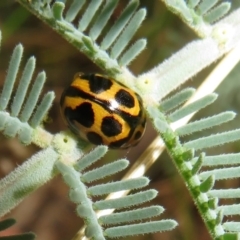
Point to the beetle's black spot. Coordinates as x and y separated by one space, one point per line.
97 83
119 143
83 114
94 138
110 127
138 135
124 98
72 91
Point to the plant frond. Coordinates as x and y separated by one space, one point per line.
91 158
26 178
128 184
106 170
218 39
33 97
224 193
160 81
193 3
131 215
118 26
102 19
206 123
111 56
216 12
128 33
191 163
205 6
127 201
83 196
222 173
232 227
193 107
199 14
22 115
224 159
214 140
112 52
177 99
6 223
141 228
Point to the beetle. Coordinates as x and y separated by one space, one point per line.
103 111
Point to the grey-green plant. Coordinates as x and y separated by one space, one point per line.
5 224
219 32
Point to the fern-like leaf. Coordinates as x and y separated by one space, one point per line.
81 194
4 224
199 14
18 117
112 53
201 181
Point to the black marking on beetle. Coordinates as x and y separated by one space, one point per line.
72 91
110 127
124 98
94 138
83 114
133 121
137 135
124 142
120 143
97 83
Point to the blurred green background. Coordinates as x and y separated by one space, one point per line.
48 212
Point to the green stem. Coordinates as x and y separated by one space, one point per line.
181 156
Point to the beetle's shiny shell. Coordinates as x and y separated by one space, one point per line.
102 111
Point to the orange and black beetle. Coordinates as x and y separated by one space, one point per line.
103 111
